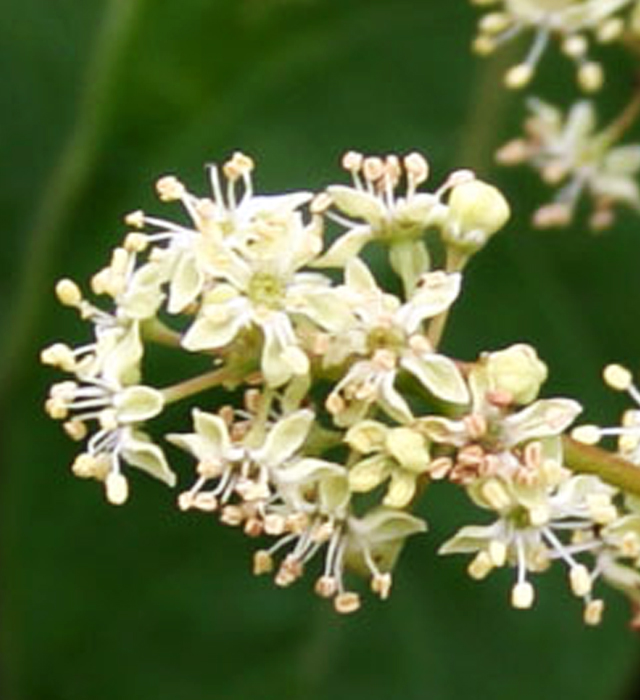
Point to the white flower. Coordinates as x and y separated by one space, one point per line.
108 393
569 20
225 222
574 506
389 336
628 433
568 150
399 455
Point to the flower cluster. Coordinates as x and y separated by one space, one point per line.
568 151
338 407
572 22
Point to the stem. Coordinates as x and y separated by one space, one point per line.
155 331
455 262
625 120
197 385
586 459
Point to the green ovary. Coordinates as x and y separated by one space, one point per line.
266 290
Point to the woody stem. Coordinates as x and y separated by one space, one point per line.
587 459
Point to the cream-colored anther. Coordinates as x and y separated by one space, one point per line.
518 76
238 166
232 515
373 168
440 467
610 30
297 523
630 545
590 76
416 167
169 188
326 586
522 595
580 580
575 46
618 377
290 570
135 219
117 488
136 242
593 612
494 22
68 292
496 494
483 45
513 152
185 501
497 552
262 562
352 161
587 434
381 585
346 603
392 169
59 355
75 429
85 466
552 215
480 566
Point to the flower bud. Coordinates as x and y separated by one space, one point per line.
476 212
516 371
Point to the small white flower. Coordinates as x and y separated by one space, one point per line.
109 395
569 20
567 150
389 335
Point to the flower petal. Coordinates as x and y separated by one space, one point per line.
439 375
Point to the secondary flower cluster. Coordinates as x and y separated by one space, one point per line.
573 22
333 407
568 151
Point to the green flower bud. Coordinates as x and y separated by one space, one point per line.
476 212
517 371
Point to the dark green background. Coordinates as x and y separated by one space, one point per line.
99 98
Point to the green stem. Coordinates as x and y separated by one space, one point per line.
455 262
69 177
155 331
624 121
197 385
586 459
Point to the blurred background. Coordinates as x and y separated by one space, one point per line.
99 98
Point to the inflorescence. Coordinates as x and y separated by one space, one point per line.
334 408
